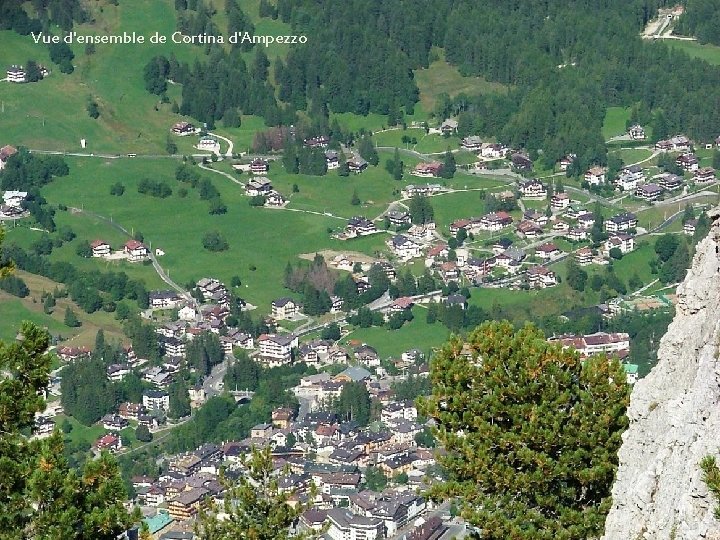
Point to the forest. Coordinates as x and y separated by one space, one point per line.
564 63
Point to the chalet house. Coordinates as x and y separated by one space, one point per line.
706 174
357 164
109 442
136 251
458 224
186 504
510 259
649 192
387 268
284 308
5 153
259 166
367 355
670 182
428 170
521 162
317 142
547 251
536 217
44 427
493 151
688 162
100 248
595 175
70 354
630 177
501 245
495 221
117 372
679 143
187 313
209 144
360 226
621 222
560 201
276 349
16 74
404 248
156 400
533 189
566 161
586 221
472 143
258 186
449 126
583 256
332 159
398 218
114 422
14 198
282 418
540 277
576 235
456 300
164 299
560 226
131 411
401 304
274 199
435 253
411 190
183 128
636 133
10 211
689 226
624 242
528 229
421 232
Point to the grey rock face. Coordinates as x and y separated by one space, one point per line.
675 419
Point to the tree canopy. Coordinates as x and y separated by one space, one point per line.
532 433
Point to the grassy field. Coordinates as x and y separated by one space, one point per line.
633 155
14 310
442 78
51 114
416 334
614 123
708 52
261 240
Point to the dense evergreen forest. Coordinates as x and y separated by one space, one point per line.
564 62
702 20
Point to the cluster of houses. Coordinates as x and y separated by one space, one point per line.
321 459
184 128
132 250
613 344
484 150
261 186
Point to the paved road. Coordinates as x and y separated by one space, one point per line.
229 152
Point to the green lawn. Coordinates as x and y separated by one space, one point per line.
708 52
259 238
615 119
637 262
13 311
442 78
416 334
633 155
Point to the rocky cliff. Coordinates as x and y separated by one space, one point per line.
675 419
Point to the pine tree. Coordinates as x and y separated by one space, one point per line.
449 166
71 319
258 509
46 497
531 432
